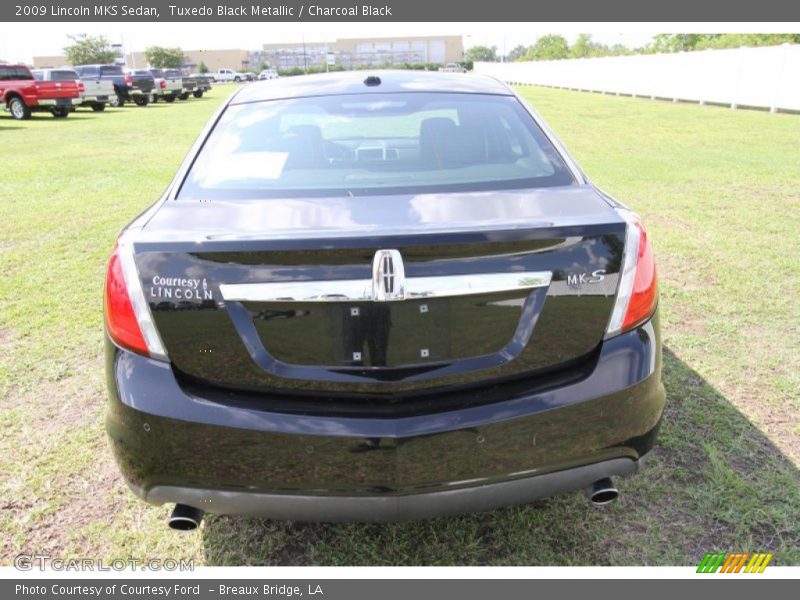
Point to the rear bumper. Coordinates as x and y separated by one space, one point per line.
128 93
89 100
381 508
51 102
239 458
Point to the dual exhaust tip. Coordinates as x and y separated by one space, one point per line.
185 518
188 518
601 492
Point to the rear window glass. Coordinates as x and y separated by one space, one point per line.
172 73
374 144
156 72
10 73
88 71
63 75
111 70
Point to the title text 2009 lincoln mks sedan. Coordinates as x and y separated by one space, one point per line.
380 298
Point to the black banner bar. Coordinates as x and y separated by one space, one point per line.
402 10
728 587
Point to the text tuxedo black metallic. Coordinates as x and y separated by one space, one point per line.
377 299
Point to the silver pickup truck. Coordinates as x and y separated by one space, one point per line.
169 85
96 91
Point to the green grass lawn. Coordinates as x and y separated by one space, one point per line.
719 191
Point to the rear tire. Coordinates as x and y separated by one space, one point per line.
60 112
236 79
19 110
140 100
116 101
198 94
152 99
98 106
184 96
169 99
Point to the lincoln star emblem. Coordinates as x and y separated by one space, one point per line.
388 276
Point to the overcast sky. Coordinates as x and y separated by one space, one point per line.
21 41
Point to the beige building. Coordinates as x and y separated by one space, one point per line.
346 52
350 52
213 59
49 62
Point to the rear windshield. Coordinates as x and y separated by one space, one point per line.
156 72
374 144
63 75
88 71
172 73
111 70
11 73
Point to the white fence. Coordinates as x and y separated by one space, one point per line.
766 77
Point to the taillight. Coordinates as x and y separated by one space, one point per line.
128 80
637 295
128 319
163 84
81 87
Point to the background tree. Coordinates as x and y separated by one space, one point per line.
584 47
202 68
86 49
673 42
164 58
517 52
481 54
549 47
736 40
554 47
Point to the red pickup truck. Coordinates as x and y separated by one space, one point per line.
21 94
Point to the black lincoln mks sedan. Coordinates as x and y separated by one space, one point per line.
379 298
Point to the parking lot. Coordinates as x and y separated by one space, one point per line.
719 191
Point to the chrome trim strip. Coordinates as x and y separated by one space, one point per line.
353 290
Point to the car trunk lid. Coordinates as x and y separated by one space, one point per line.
291 294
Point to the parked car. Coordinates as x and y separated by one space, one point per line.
129 86
452 68
405 299
168 85
268 74
202 84
97 92
21 94
228 75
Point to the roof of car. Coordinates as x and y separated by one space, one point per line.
355 82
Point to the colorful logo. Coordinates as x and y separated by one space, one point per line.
734 562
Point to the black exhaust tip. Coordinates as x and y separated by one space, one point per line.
602 492
185 518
